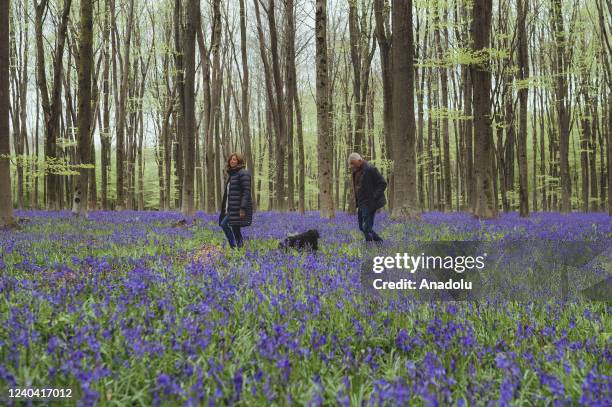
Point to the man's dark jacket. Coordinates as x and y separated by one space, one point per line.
372 191
239 198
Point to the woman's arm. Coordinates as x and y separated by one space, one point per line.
245 186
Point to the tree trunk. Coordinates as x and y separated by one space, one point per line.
421 132
444 108
523 75
481 80
534 148
189 39
543 174
6 201
84 66
562 104
167 139
324 146
468 134
279 108
178 159
19 75
105 137
141 161
290 97
122 110
609 142
206 113
607 110
361 57
52 104
592 147
179 113
246 129
35 164
270 137
430 148
92 193
211 203
301 158
370 126
384 42
584 161
405 198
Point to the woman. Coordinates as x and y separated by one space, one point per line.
237 208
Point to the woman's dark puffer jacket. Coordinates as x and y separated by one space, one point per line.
239 197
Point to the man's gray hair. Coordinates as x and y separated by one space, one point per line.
354 157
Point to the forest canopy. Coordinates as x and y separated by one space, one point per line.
463 105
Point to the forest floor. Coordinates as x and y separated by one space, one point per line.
124 308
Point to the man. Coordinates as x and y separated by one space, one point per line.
369 188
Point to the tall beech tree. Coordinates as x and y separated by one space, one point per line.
189 138
19 43
215 100
523 93
122 108
51 103
484 205
324 144
301 179
290 79
361 60
6 201
384 43
278 106
562 101
605 14
84 67
438 22
105 136
405 198
245 113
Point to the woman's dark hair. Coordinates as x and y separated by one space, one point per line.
239 158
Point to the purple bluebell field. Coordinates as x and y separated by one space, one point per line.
125 309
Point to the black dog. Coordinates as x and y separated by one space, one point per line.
306 240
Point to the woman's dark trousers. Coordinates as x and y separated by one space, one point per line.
233 234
